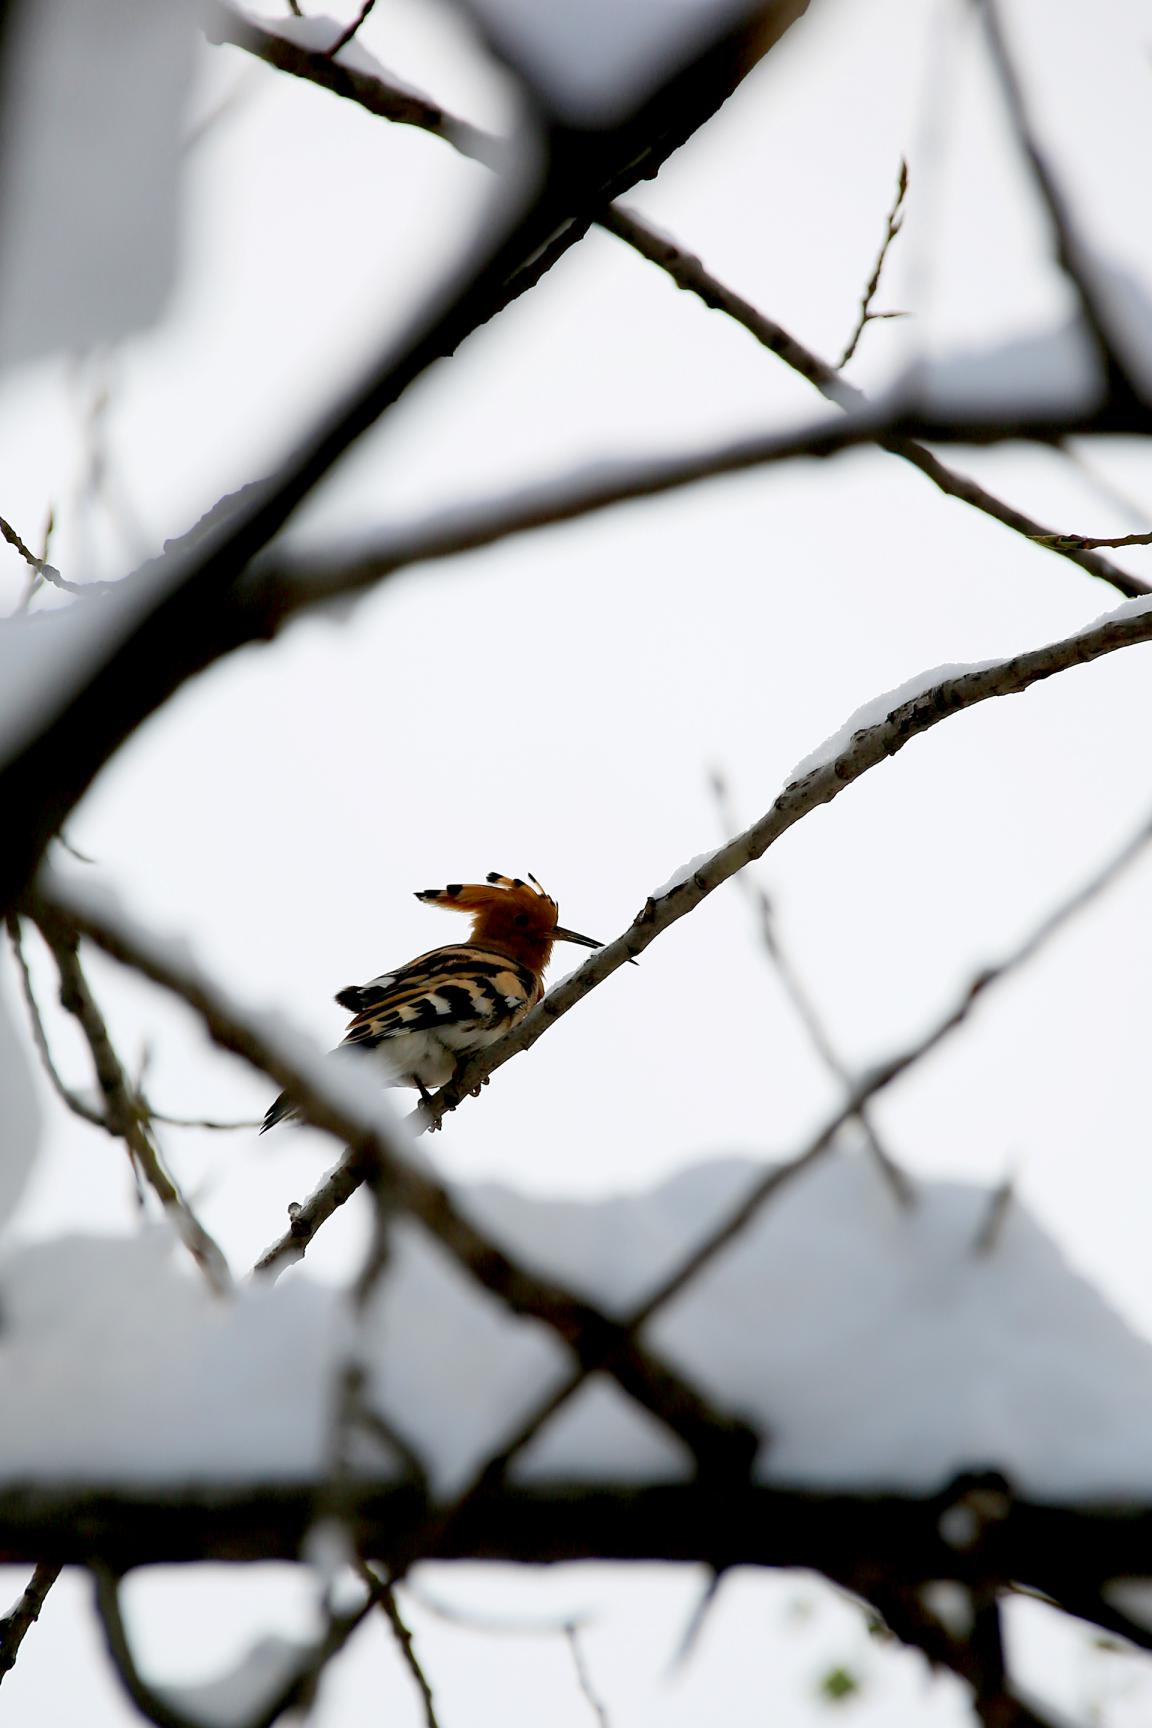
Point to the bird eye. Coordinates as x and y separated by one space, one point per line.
520 920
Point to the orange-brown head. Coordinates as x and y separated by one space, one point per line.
508 916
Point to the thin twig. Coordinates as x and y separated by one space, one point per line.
1072 254
703 1606
689 274
892 226
74 850
1103 482
1084 543
19 1620
404 1642
79 1106
583 1678
501 1626
124 1116
805 1009
223 24
346 36
9 533
991 1226
884 1073
294 1693
208 1122
39 568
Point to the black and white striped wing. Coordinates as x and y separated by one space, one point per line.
465 996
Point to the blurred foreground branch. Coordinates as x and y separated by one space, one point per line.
179 615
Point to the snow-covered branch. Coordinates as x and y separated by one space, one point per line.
863 743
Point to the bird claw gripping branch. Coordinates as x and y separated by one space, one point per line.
418 1022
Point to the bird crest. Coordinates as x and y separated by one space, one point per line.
510 915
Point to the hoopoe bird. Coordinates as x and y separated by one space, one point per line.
416 1023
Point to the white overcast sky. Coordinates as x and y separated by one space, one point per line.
556 705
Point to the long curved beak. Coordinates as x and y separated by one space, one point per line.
562 935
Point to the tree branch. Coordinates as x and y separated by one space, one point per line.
689 274
72 1100
892 225
392 103
19 1621
285 584
1072 254
805 1009
123 1117
224 25
294 1693
179 615
848 1535
404 1642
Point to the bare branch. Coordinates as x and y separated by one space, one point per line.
583 1678
181 614
223 24
39 568
893 223
79 1106
1082 543
992 1224
124 1117
802 1003
689 274
207 1122
19 1621
404 1643
14 540
294 1693
380 98
885 1072
1072 254
346 35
